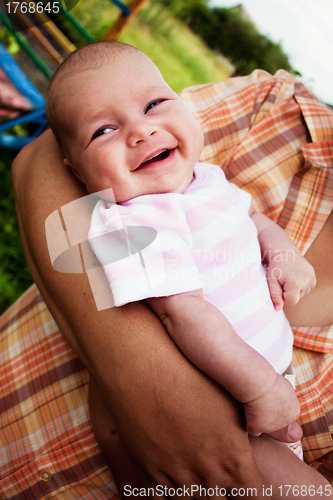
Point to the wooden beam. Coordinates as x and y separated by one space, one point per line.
39 36
123 21
55 31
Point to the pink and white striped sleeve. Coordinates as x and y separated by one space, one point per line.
144 246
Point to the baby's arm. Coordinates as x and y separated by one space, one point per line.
290 276
207 338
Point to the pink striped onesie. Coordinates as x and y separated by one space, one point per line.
165 244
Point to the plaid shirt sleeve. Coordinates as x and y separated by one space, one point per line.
273 138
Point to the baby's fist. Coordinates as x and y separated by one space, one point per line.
290 276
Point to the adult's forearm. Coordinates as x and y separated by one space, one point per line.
207 338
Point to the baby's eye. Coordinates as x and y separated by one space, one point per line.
152 105
102 131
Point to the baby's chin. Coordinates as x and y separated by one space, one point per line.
181 188
109 195
106 194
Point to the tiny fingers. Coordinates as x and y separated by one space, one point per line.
307 290
293 293
292 296
276 292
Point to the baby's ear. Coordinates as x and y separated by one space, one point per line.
75 172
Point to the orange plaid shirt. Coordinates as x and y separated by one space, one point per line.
274 139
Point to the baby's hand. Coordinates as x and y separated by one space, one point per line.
290 276
274 410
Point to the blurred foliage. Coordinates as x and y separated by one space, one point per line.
9 40
181 55
231 32
14 274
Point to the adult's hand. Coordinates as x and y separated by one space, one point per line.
171 420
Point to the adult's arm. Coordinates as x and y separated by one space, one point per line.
174 422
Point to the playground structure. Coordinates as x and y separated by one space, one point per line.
30 111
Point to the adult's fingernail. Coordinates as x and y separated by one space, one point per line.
294 431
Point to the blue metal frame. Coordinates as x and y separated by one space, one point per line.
27 89
122 7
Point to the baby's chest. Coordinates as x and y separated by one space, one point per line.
223 235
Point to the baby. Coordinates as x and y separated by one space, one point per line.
122 128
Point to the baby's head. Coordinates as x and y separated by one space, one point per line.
119 123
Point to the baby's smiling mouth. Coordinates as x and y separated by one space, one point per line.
158 156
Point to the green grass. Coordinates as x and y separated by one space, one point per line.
181 56
14 274
183 59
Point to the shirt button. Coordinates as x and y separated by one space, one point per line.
45 475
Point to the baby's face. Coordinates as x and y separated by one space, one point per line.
127 130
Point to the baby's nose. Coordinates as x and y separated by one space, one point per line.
140 131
